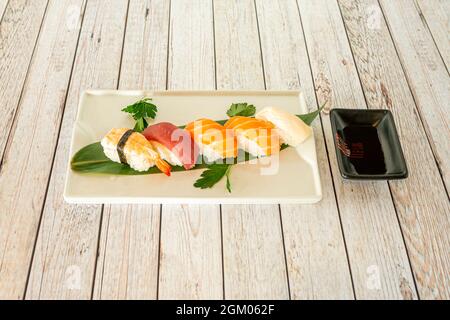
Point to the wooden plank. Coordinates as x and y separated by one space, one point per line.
254 262
436 15
127 267
253 253
426 74
26 169
377 255
3 4
19 30
66 248
315 250
144 61
190 248
128 253
423 211
238 54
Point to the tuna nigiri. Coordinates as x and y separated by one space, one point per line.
214 141
255 136
126 146
173 144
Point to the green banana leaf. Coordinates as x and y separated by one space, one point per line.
91 158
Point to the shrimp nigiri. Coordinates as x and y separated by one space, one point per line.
214 141
257 137
126 146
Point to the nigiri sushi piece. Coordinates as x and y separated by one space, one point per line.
255 136
292 129
173 144
213 140
123 145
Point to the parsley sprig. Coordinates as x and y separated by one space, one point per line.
141 111
241 109
213 174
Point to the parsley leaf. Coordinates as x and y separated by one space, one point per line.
241 109
140 125
140 111
213 174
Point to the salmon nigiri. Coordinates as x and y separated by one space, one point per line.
126 146
257 137
214 141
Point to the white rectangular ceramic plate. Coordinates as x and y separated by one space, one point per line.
296 181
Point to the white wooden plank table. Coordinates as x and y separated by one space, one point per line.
364 240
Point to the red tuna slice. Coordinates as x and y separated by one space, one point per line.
177 140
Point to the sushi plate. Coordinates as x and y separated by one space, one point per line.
293 178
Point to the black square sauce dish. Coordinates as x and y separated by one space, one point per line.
367 144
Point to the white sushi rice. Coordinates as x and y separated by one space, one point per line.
250 146
209 152
137 161
166 154
291 129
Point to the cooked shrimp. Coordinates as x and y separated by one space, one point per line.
126 146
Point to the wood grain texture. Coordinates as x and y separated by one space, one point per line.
380 54
128 255
254 262
25 171
377 255
253 254
3 4
426 73
66 248
421 200
144 61
316 256
127 265
437 17
190 247
19 30
238 54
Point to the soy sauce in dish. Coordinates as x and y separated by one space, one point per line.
366 153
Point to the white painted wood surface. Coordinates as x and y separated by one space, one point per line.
239 66
312 234
364 239
426 73
25 169
190 248
19 30
3 4
385 86
127 266
436 15
417 203
372 233
66 249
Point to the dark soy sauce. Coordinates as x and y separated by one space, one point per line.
366 153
